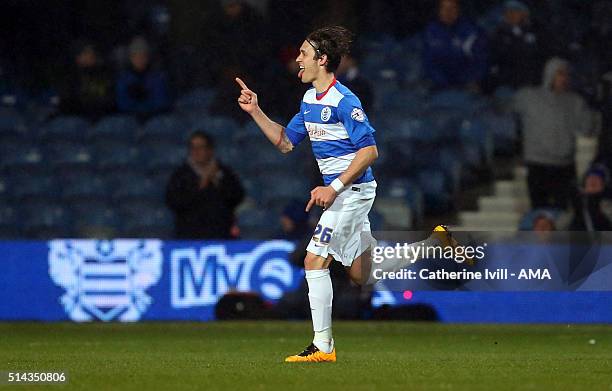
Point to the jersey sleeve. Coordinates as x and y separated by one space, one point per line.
356 122
296 130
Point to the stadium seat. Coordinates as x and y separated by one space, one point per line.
21 158
163 157
46 221
436 190
128 187
85 188
115 128
170 128
10 223
198 99
408 190
257 223
64 157
96 220
116 156
216 126
11 122
68 128
30 188
146 221
473 134
457 99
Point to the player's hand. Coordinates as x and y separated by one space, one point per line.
323 196
247 99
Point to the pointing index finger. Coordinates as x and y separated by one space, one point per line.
241 84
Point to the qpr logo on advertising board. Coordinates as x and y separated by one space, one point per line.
325 114
105 280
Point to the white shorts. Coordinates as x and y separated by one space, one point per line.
344 228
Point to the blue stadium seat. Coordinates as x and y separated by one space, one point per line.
436 190
69 128
21 158
198 99
69 156
280 186
135 187
94 219
407 189
170 128
257 223
10 223
146 221
30 188
504 130
46 221
217 126
12 122
163 157
457 99
115 127
526 223
85 188
474 134
116 156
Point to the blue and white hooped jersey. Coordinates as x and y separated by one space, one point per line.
337 127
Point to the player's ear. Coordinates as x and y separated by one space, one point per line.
323 60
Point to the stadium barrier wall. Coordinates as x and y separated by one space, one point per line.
130 280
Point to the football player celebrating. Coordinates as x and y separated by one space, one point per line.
343 143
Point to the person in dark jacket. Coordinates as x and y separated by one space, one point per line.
518 49
88 88
455 53
203 193
588 214
141 89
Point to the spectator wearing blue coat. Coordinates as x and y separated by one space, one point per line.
141 90
455 51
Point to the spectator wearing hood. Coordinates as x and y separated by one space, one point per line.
551 116
588 215
517 48
455 52
141 89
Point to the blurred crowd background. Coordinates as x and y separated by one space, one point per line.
119 118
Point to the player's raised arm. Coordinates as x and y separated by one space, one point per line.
273 131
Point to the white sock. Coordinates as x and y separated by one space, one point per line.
321 294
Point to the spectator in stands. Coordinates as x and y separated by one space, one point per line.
88 88
348 74
543 222
141 89
588 214
294 222
203 193
455 53
517 48
551 115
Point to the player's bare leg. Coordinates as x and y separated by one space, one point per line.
320 295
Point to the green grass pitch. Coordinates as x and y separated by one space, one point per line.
371 355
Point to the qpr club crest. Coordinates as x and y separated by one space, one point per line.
325 114
105 280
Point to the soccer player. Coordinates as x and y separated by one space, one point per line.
343 143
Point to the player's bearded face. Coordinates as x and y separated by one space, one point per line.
308 66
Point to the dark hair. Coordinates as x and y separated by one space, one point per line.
332 41
201 134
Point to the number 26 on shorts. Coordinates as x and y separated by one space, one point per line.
322 234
